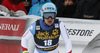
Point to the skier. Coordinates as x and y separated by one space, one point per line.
46 32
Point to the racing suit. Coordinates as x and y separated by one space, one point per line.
46 38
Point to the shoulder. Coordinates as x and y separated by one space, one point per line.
35 5
32 26
61 24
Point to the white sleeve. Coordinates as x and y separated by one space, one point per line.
26 36
65 36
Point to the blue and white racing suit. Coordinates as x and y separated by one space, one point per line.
46 38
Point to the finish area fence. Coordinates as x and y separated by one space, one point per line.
81 32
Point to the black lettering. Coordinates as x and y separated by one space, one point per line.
74 31
91 32
70 30
82 33
53 8
78 32
87 33
50 8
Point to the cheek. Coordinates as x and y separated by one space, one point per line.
45 20
53 20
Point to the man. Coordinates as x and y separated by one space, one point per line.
46 32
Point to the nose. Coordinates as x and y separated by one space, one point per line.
50 17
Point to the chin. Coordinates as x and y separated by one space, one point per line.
49 24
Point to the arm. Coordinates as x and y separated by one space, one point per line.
33 9
26 36
66 38
24 41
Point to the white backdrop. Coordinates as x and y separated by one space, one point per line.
81 32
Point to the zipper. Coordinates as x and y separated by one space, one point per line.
14 7
37 9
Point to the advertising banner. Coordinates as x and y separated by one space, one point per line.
81 32
11 31
12 27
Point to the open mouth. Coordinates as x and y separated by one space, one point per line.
49 21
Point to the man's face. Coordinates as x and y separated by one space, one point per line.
49 21
49 17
